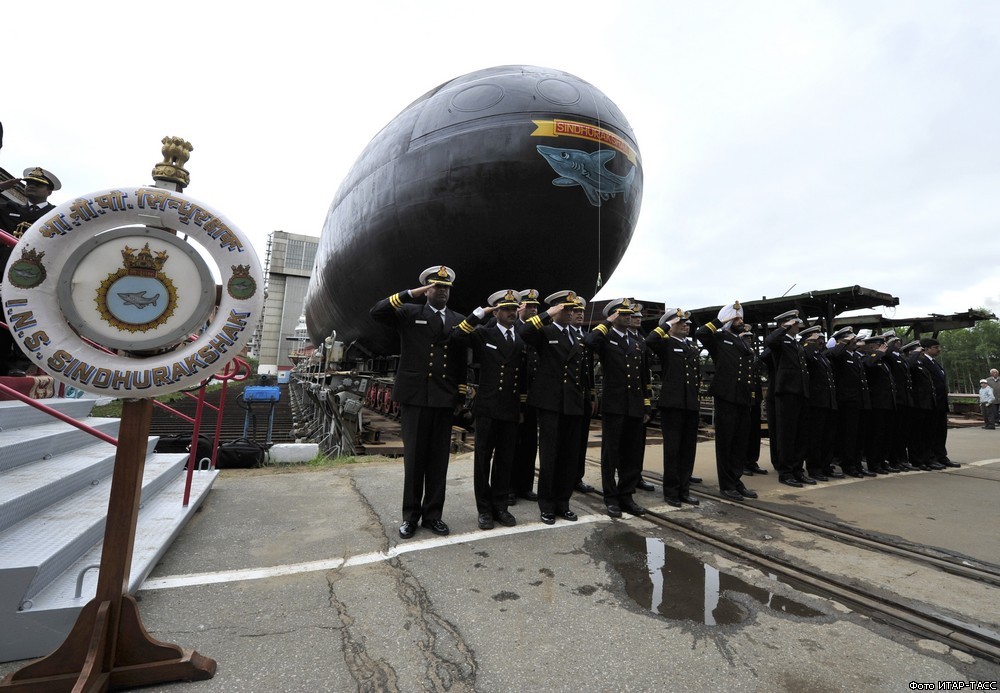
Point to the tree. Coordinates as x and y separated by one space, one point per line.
968 354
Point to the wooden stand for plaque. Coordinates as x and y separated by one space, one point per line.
108 646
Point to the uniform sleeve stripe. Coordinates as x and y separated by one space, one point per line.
465 327
535 322
602 328
711 326
659 331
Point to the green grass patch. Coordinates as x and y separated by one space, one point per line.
113 410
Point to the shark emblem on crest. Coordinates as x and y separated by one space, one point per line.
577 167
138 299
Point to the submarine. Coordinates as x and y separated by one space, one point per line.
514 176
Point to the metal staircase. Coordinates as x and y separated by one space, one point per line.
54 486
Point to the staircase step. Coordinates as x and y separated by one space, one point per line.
21 445
44 620
28 488
16 414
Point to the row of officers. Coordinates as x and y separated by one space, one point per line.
868 405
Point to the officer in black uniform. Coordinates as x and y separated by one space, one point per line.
624 406
522 477
15 219
751 465
590 405
678 404
732 388
898 433
558 395
852 399
791 390
929 361
426 387
497 406
639 334
821 416
882 391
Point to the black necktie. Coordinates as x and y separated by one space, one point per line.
569 335
509 336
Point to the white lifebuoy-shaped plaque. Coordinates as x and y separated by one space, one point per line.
106 267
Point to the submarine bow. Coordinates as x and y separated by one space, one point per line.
515 176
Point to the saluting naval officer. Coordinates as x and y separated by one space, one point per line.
679 405
732 388
821 416
882 391
590 403
497 405
426 387
852 399
638 334
791 391
522 477
558 395
625 406
928 363
900 417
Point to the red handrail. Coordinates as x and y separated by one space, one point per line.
7 239
58 414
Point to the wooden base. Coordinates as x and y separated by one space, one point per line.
83 663
108 646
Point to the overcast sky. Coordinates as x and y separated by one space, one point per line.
815 144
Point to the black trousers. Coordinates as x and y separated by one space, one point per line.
939 434
922 420
848 431
522 475
426 445
790 412
877 438
772 431
581 463
495 443
821 430
753 441
731 424
680 440
558 450
621 455
898 431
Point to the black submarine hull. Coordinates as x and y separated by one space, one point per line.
514 176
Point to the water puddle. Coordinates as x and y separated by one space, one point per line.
678 586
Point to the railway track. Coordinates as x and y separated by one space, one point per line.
918 621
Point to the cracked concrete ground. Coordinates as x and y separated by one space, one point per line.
563 608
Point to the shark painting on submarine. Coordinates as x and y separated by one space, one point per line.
577 167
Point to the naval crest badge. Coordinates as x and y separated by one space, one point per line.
27 272
241 285
139 296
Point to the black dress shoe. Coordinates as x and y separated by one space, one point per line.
696 480
584 487
818 476
748 471
504 518
948 463
789 481
485 521
511 499
548 518
673 502
906 467
568 515
867 473
745 492
529 496
436 526
407 529
633 508
802 478
755 468
690 500
732 494
854 473
614 511
644 485
833 473
924 468
935 466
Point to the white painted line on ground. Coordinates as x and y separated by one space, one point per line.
192 579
